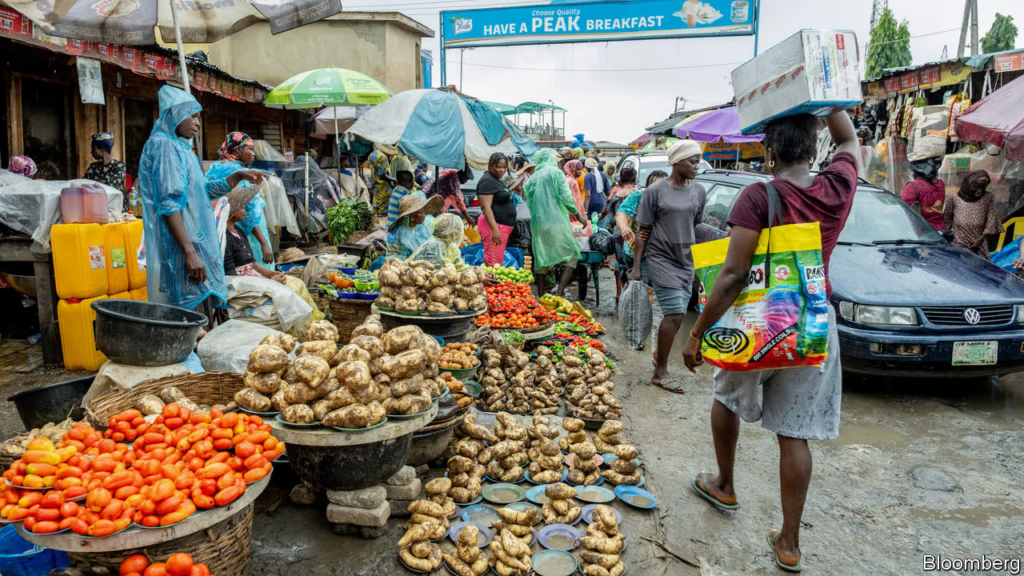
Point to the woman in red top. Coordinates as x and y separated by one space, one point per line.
928 191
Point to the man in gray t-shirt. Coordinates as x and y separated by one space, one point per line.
667 216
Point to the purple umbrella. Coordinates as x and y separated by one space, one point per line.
721 124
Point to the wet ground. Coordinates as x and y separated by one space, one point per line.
920 467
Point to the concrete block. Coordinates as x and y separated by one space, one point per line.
400 508
303 495
372 533
402 477
373 518
408 491
366 498
423 469
346 529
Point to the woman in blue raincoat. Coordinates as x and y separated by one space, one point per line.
551 202
236 153
184 263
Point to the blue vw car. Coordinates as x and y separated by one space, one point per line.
909 303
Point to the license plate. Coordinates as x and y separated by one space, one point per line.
983 353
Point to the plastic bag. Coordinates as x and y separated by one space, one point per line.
602 242
781 320
521 236
635 314
227 347
929 127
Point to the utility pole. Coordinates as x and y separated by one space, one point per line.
462 58
975 44
963 29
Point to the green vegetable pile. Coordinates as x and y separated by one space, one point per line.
509 274
350 216
569 327
512 337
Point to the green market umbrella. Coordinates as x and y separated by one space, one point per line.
327 87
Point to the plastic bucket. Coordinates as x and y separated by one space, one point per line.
19 557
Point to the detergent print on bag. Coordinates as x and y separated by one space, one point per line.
813 72
79 263
780 320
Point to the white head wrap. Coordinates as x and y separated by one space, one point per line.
682 150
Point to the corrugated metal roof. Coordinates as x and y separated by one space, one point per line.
665 126
978 61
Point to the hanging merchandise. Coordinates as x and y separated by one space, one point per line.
928 130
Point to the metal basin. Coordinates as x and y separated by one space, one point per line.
429 447
353 467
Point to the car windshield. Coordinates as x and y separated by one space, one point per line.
648 165
878 217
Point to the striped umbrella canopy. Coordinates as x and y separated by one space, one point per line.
327 87
442 127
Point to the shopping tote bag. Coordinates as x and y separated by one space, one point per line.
780 320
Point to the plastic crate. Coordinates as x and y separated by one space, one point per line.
19 557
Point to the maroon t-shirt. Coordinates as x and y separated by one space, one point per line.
827 201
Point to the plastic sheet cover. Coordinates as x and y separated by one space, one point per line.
443 247
550 202
266 301
33 206
227 347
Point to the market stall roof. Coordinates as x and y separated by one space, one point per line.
524 108
977 62
665 126
997 119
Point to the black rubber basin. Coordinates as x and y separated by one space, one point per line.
145 333
52 403
348 467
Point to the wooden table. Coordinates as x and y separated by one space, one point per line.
20 249
136 537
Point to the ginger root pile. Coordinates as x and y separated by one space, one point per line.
588 386
601 548
624 469
469 559
560 507
583 471
416 549
607 438
509 556
518 522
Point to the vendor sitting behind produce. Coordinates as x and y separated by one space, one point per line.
238 256
443 247
405 183
412 227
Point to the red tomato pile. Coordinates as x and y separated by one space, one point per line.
181 462
179 564
512 305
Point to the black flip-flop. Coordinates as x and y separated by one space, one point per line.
794 568
696 484
667 382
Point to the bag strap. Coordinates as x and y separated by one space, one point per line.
774 205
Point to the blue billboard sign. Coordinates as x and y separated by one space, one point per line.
597 22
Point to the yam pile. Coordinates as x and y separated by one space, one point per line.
509 555
601 548
417 551
469 559
418 287
560 507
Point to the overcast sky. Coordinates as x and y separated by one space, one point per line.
609 95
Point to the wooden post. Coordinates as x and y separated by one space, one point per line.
15 141
46 303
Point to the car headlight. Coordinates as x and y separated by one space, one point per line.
885 315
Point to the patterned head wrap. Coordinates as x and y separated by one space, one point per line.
104 141
234 141
22 166
571 167
974 185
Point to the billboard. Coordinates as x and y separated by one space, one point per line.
597 22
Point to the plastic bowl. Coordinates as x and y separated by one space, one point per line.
364 296
348 270
348 295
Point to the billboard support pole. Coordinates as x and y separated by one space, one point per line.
444 63
757 23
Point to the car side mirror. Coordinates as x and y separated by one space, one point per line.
947 235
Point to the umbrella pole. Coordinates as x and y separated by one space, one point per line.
181 49
306 191
337 144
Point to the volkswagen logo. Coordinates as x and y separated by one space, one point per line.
972 316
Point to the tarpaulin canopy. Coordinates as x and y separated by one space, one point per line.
322 125
714 125
524 108
997 120
442 127
135 21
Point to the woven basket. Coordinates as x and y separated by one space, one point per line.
347 315
224 547
204 388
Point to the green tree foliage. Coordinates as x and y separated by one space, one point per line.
890 45
1002 35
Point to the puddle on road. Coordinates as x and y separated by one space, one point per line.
878 435
979 516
